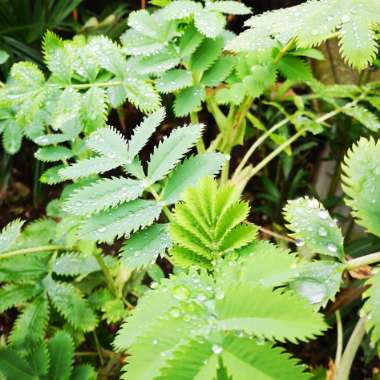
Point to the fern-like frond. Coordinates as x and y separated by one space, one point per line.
102 194
208 223
361 183
121 220
171 150
313 226
270 314
9 234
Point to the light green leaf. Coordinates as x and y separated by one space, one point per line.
61 352
363 116
229 7
14 366
159 62
174 80
137 44
9 234
295 69
143 248
15 294
371 306
313 226
206 54
53 153
209 23
12 137
190 172
190 41
180 9
171 150
189 100
121 220
218 72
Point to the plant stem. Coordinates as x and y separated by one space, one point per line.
107 274
372 258
23 251
275 234
200 144
352 346
284 50
98 349
339 333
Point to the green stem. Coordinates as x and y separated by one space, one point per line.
284 50
157 197
200 144
339 333
372 258
352 347
23 251
107 274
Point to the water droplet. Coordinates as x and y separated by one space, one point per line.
181 292
216 349
313 203
201 297
174 312
155 341
346 18
322 232
154 285
101 229
300 242
323 214
332 248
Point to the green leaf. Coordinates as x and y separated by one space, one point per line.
53 138
136 43
103 194
314 227
189 172
12 137
144 23
15 294
143 248
27 75
174 80
51 176
110 143
14 366
269 314
94 109
9 234
121 220
318 281
218 72
3 56
171 150
159 62
144 131
195 360
141 94
53 153
371 308
90 166
209 23
70 304
246 360
190 41
61 351
361 183
29 328
363 116
39 360
189 100
295 69
229 7
83 372
206 54
179 9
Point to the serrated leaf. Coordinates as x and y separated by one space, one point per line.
15 294
53 153
144 23
14 366
189 100
39 360
159 62
180 9
50 139
83 372
136 43
296 321
103 194
363 116
318 281
143 132
29 328
246 360
9 234
61 352
209 23
12 137
171 150
70 304
314 227
295 69
94 109
189 41
206 54
174 80
145 246
189 172
90 166
51 176
361 183
121 220
218 72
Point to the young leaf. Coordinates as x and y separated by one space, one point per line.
53 153
189 41
313 226
174 80
218 72
206 54
189 100
171 150
143 248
